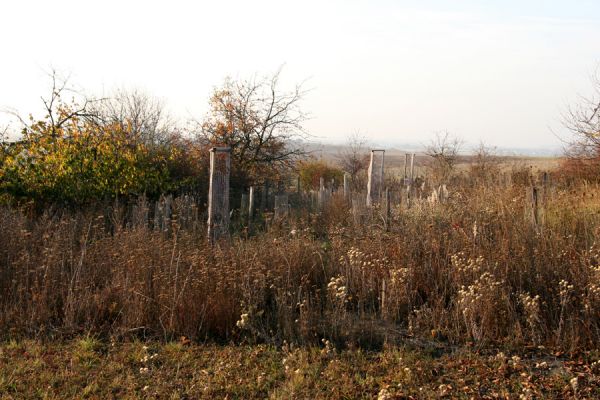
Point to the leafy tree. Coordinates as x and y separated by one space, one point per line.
84 150
79 162
260 123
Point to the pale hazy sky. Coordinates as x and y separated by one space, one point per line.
398 71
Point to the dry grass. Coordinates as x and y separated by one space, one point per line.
89 368
470 270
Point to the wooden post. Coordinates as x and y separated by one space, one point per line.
412 168
244 209
370 181
264 196
406 169
281 207
211 196
358 210
375 180
409 170
443 193
533 206
388 209
545 196
381 181
251 203
321 195
218 193
346 186
383 299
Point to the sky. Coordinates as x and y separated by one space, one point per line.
498 72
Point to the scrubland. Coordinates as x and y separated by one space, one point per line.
438 302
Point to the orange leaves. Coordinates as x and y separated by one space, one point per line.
312 171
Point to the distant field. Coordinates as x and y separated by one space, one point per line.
395 160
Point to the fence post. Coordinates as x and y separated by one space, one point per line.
251 204
381 182
533 205
218 193
406 161
264 196
321 195
370 180
375 179
412 168
281 207
346 186
388 209
545 191
409 176
244 208
383 299
358 210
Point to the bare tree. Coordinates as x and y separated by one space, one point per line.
484 162
354 156
260 123
443 150
138 113
583 120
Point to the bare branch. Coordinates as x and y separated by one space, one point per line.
583 120
258 121
443 150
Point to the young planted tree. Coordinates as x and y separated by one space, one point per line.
443 150
484 163
260 123
354 159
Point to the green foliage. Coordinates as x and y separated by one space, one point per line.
81 161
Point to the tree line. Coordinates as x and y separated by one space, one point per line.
87 149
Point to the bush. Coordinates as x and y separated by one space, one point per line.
82 162
312 171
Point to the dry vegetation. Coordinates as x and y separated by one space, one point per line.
459 298
483 283
464 279
89 368
469 270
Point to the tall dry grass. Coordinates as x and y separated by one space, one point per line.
470 270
